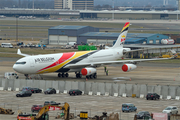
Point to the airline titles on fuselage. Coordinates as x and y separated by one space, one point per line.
45 59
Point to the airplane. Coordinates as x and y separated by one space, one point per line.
82 63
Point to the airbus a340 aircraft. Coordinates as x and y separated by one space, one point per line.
82 63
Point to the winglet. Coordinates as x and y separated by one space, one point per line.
19 53
122 37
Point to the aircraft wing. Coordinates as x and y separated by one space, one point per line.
19 53
82 65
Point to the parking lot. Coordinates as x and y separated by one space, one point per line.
94 105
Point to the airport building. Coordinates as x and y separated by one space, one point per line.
74 4
86 34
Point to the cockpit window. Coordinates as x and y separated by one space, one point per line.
20 62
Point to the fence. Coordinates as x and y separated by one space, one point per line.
95 88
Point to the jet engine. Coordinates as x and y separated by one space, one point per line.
128 67
88 71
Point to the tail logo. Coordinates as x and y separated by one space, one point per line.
123 38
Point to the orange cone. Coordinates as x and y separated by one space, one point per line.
130 79
174 79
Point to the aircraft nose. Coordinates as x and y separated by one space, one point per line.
15 67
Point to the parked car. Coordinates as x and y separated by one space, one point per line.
50 103
36 90
143 115
24 93
75 92
152 96
26 89
128 107
171 110
36 108
50 91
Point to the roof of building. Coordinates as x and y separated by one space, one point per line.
68 27
108 34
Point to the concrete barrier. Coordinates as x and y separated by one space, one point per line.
98 93
122 89
42 84
136 90
90 93
55 84
74 85
11 84
168 97
17 89
123 94
5 84
94 87
115 88
150 89
1 88
29 83
57 91
106 94
108 88
9 89
115 94
165 91
129 89
61 86
36 83
81 86
67 85
88 87
141 95
65 92
48 84
177 98
101 88
172 91
157 89
143 89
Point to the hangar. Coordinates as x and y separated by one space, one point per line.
62 34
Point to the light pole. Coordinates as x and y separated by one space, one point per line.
113 9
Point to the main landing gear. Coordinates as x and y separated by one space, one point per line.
92 76
78 75
63 75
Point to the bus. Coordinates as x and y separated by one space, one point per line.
8 45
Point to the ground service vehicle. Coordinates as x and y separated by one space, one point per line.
7 45
50 91
24 94
50 103
171 110
6 111
42 114
75 92
36 90
128 107
143 115
10 75
36 107
152 96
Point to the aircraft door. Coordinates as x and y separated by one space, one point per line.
31 62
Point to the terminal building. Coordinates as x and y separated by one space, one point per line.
85 34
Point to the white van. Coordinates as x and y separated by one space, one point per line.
10 75
8 45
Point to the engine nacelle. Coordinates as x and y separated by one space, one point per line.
88 71
128 67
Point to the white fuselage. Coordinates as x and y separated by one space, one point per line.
47 63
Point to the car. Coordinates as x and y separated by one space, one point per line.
26 89
128 107
171 110
50 91
152 96
36 108
143 115
75 92
24 93
50 103
36 90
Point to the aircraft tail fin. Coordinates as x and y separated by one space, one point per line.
19 53
122 37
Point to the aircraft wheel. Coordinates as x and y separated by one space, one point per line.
80 76
67 75
90 76
59 74
77 76
63 75
95 76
